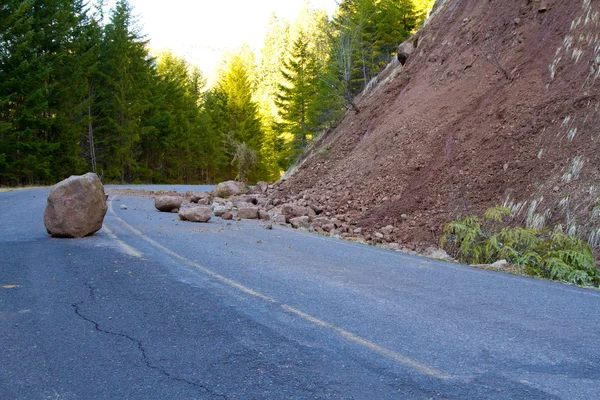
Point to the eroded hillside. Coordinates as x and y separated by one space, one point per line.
499 104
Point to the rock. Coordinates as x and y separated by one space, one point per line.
246 198
543 6
219 210
76 207
291 211
499 265
269 226
395 246
387 230
404 217
358 231
379 235
201 198
263 214
260 188
227 216
167 203
434 252
230 188
300 222
262 201
196 213
329 227
247 212
123 207
278 219
404 51
175 210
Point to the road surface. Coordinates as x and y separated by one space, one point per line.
155 308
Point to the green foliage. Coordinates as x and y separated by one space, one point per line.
550 255
244 159
79 92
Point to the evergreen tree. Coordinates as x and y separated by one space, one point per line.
274 50
241 122
125 95
297 96
37 54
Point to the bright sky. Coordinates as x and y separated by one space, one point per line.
202 31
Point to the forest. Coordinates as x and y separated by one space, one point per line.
79 92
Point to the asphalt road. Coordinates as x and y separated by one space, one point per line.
155 308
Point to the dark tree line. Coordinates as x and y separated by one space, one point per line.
78 94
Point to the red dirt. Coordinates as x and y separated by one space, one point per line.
475 116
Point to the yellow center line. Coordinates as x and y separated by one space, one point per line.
408 362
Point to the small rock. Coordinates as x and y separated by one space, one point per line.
219 210
260 188
247 212
263 214
196 214
300 222
230 188
227 215
358 231
167 203
404 51
201 198
278 219
404 217
175 210
269 226
434 252
387 230
123 207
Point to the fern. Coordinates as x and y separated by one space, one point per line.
498 213
551 255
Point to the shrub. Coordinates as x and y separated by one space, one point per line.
543 253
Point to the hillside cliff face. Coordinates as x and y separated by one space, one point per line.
498 104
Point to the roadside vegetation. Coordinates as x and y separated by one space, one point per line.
80 92
544 253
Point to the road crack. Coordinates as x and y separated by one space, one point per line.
139 344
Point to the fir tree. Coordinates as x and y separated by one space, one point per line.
297 95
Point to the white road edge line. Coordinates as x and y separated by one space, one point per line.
415 365
126 248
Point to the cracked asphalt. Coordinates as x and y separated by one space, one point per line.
155 308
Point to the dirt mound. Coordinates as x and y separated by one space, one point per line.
498 104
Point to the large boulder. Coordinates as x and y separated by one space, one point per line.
230 188
167 203
196 213
76 207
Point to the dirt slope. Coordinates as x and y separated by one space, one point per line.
498 104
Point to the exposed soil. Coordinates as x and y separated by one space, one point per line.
498 104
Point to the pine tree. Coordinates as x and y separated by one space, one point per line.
297 96
38 143
125 95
